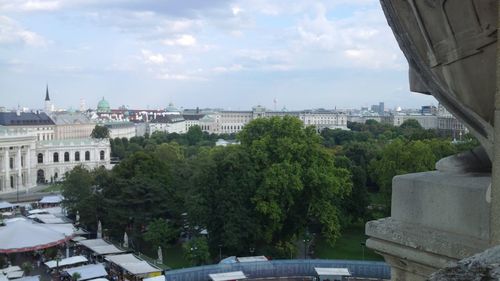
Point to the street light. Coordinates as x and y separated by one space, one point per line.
220 252
251 251
363 249
306 245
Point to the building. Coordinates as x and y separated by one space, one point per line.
449 125
427 121
56 157
168 124
37 122
121 129
72 125
17 159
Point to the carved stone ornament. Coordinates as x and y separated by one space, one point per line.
451 49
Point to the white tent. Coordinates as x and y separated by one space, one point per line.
252 259
87 272
10 269
51 199
100 247
132 264
156 278
15 274
235 275
25 236
3 277
29 278
329 273
6 205
46 218
65 228
68 261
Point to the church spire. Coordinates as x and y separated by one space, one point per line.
47 93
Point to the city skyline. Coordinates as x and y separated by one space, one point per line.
228 53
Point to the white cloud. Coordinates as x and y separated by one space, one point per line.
225 69
12 33
30 5
184 40
150 57
362 40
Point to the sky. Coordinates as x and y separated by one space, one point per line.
230 54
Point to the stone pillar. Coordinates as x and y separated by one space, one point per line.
7 167
495 181
27 163
19 168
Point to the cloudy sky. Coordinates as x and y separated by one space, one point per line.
207 53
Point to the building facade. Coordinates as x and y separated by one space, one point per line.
17 159
72 125
37 122
55 158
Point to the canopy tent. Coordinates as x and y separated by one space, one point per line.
29 278
24 236
15 274
132 264
47 218
252 259
100 247
54 211
227 276
51 199
329 273
156 278
65 262
87 272
64 228
78 238
3 277
10 269
6 205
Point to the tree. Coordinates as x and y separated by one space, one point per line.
100 132
194 135
75 276
160 233
196 251
297 182
81 195
397 158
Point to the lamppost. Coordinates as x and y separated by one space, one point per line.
252 249
306 245
220 252
363 249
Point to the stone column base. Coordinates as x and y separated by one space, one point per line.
437 219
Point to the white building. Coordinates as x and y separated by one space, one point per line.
55 158
168 124
121 129
37 122
72 125
230 121
17 159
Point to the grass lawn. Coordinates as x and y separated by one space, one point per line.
173 257
347 246
52 188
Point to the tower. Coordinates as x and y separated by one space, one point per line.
48 104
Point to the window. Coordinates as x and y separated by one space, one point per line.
56 157
11 181
11 162
66 156
40 158
77 156
87 155
22 161
102 154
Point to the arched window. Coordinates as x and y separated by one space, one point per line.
87 155
77 156
40 158
102 154
56 157
66 156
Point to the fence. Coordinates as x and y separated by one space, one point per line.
282 268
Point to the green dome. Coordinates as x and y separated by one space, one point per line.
103 106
